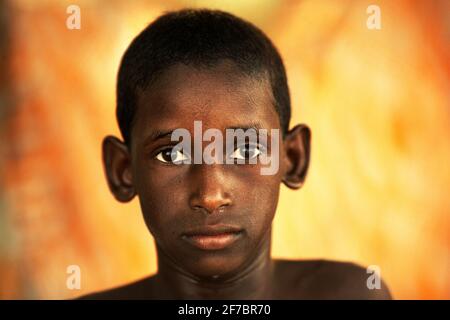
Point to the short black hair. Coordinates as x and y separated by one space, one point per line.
198 37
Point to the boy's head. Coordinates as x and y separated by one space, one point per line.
209 66
201 39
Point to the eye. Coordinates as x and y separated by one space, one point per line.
246 151
170 155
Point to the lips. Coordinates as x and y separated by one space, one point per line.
213 237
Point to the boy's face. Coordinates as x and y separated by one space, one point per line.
178 200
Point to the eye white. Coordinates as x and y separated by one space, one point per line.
239 153
179 157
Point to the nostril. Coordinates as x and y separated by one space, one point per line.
219 209
200 208
222 208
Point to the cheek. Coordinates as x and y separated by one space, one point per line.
268 201
161 196
259 196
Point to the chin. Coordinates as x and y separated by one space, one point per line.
215 267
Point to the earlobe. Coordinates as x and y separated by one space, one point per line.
117 165
297 146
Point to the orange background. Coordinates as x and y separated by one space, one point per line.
377 102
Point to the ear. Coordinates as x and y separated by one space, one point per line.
297 147
117 165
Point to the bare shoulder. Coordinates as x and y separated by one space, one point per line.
326 279
140 289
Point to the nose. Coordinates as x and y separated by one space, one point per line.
209 188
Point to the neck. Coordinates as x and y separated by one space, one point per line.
253 281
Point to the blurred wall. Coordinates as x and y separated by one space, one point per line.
377 102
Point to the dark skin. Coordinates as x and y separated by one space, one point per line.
178 198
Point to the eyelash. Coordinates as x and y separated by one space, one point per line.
159 155
261 149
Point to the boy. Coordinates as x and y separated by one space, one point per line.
212 221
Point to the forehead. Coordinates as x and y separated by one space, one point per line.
220 96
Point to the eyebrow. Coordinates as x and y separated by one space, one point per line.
157 135
256 125
162 134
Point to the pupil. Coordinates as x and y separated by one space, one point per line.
248 151
167 155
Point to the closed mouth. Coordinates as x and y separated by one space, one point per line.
213 237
